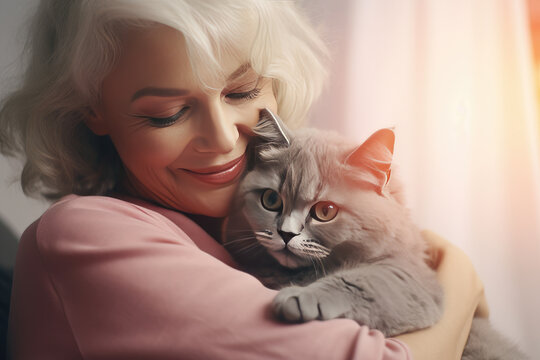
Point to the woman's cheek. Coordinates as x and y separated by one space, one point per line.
155 147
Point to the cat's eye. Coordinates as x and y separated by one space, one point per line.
271 200
324 211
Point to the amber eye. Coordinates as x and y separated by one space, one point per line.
324 211
271 200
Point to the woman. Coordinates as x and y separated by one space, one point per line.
135 116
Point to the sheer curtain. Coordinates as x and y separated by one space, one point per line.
456 80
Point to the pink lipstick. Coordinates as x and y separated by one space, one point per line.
220 174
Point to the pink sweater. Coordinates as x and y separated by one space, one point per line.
103 278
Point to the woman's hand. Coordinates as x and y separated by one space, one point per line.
463 299
455 269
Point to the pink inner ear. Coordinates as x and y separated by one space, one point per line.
375 154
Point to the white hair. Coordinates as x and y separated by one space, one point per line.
73 44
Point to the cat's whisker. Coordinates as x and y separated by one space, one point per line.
267 244
265 234
314 267
248 248
314 248
239 231
315 253
240 239
251 250
240 242
322 267
265 238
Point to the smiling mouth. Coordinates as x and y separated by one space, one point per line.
220 174
217 168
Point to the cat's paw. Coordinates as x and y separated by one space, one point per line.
302 304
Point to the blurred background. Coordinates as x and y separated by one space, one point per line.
459 80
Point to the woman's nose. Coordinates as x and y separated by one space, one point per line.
218 132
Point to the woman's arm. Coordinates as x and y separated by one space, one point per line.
128 284
463 299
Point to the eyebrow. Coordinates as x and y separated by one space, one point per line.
167 92
153 91
242 69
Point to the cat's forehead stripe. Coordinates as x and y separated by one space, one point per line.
301 178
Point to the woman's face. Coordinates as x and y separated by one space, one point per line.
182 146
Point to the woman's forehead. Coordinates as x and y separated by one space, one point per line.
155 62
159 52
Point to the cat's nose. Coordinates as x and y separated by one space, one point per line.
286 236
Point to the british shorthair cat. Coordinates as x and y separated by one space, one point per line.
324 221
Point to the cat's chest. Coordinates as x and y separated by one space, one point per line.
277 277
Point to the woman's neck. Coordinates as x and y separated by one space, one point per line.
211 225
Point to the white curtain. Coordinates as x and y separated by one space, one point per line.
455 78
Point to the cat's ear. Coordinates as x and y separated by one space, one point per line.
271 129
375 154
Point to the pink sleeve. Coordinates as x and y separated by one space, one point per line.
133 286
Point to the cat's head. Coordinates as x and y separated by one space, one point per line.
310 195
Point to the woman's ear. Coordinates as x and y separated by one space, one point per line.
96 122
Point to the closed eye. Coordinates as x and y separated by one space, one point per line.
164 121
247 95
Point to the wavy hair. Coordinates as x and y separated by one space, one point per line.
73 45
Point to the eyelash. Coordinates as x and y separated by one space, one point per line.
168 121
248 95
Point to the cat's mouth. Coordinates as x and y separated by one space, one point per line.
288 259
297 251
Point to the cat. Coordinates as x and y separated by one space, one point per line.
324 221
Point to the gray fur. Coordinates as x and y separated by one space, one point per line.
367 264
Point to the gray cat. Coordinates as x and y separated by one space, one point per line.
323 221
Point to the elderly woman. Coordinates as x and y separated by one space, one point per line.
134 116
